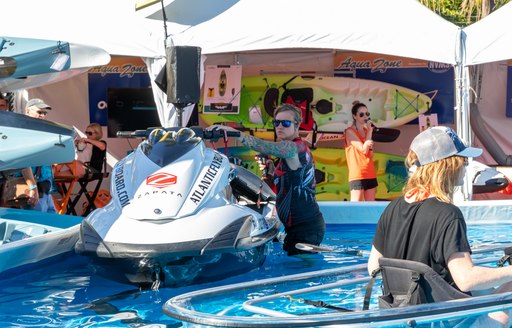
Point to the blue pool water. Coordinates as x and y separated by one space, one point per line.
69 293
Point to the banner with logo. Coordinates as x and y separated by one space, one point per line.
121 72
430 78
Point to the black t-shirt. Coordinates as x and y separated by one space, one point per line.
429 232
97 157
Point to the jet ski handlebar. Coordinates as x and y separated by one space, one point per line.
199 131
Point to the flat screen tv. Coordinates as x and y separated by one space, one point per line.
130 109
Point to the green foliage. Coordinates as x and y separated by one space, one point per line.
463 12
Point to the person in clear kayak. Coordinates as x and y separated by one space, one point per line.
425 226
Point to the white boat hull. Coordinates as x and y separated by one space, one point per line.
29 63
25 241
27 141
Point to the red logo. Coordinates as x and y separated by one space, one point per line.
161 180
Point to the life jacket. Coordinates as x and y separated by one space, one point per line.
102 198
302 99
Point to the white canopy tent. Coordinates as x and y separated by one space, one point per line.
490 39
486 45
403 28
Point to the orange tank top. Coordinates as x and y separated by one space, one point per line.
360 165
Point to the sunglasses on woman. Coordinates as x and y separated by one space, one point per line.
362 114
285 123
89 133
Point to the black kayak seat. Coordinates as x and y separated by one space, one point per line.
408 282
250 185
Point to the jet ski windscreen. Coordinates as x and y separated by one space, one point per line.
165 147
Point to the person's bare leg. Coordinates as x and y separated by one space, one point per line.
74 169
63 170
356 195
79 169
503 316
494 319
369 195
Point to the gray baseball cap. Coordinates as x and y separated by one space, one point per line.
440 142
39 103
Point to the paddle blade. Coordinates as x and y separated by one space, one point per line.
270 101
385 134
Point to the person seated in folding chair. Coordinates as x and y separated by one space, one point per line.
425 226
87 166
90 155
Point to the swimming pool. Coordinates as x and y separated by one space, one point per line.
70 293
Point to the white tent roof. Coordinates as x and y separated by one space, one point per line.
109 24
490 39
402 27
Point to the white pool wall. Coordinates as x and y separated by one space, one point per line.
475 212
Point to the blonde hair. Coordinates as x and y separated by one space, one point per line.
438 179
297 113
97 128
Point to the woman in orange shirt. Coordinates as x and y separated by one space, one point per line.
359 154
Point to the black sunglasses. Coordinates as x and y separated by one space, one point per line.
361 114
285 123
89 133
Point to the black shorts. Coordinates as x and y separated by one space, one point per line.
364 184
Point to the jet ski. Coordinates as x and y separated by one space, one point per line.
181 213
485 178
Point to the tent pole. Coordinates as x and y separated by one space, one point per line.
462 103
164 17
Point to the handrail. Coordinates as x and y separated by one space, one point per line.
275 280
248 305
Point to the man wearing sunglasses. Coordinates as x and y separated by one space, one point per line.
294 179
37 108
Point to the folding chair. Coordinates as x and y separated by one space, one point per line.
95 176
65 185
